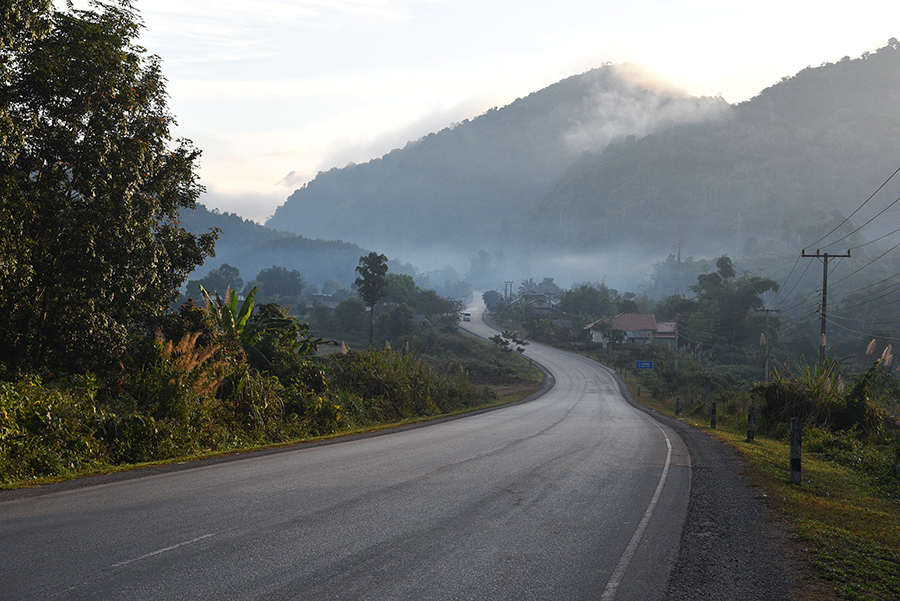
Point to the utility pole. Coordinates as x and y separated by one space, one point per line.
824 257
768 336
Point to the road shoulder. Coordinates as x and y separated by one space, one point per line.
729 545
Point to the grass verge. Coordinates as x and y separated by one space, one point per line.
842 533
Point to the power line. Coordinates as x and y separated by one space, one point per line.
863 225
852 273
893 302
820 255
875 240
792 328
896 287
872 322
890 277
780 288
861 333
855 211
800 279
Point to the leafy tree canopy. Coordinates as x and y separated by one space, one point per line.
92 187
401 289
280 283
587 301
350 315
724 305
397 322
493 300
218 280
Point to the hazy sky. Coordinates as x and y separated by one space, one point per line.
270 87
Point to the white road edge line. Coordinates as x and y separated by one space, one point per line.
173 547
615 580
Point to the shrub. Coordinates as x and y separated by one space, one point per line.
395 385
49 430
819 396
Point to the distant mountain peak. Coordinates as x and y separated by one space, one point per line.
495 166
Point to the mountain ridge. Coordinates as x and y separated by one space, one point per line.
478 171
606 172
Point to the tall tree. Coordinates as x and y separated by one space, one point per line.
725 302
21 22
281 284
371 284
92 190
218 280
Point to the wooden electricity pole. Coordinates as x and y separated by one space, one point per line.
824 257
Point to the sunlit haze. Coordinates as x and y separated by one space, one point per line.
274 91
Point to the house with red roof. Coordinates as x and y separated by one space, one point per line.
640 328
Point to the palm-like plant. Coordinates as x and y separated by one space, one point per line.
251 330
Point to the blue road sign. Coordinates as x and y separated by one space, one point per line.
643 364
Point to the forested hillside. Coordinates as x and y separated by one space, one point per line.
605 162
252 247
768 175
465 184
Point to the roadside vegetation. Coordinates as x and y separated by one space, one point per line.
101 366
104 364
236 376
844 519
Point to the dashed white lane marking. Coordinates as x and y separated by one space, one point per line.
160 551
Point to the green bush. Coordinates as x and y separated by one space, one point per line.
819 396
186 391
396 385
49 430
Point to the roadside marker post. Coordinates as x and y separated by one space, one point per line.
751 423
796 437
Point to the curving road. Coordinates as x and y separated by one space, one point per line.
575 495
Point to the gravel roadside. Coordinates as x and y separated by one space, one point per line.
728 545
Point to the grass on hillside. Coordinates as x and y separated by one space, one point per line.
844 534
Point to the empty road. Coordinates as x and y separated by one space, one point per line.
575 495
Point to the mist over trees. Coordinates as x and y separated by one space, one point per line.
251 247
621 182
779 164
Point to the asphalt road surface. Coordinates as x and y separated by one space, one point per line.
574 495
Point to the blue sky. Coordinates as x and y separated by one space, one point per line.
272 87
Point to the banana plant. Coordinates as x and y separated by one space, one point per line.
251 329
230 319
